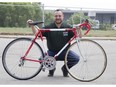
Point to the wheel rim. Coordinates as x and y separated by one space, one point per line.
11 59
89 66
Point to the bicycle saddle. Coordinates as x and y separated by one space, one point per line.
36 23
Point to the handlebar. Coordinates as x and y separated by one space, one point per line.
87 25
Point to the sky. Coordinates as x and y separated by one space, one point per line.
101 4
107 4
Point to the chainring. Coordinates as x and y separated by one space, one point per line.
49 62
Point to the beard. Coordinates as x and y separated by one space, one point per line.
58 21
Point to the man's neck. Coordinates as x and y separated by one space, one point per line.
58 25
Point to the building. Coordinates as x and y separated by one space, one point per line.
104 16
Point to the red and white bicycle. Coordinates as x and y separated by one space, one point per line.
24 58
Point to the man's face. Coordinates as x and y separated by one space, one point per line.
58 17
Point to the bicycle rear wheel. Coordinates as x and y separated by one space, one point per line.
11 59
92 63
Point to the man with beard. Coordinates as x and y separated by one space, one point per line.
56 40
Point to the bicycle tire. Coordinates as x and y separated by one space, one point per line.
92 63
11 58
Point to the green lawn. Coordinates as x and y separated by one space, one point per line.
102 33
25 31
15 31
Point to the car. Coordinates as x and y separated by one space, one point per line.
114 26
96 24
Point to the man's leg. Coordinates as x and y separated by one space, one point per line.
72 59
51 72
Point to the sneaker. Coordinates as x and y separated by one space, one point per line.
65 72
51 72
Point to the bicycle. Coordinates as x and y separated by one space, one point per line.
24 58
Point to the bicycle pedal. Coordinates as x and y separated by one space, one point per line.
43 69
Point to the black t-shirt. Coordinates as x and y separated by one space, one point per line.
57 39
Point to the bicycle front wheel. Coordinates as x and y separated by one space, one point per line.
11 59
92 63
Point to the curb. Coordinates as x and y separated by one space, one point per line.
15 36
31 36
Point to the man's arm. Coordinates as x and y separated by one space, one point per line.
79 31
34 30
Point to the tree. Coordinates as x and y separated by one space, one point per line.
13 14
77 18
48 17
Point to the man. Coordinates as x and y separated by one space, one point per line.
56 40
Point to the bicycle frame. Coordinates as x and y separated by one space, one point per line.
39 33
41 38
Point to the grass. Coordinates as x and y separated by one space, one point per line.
28 31
102 33
11 31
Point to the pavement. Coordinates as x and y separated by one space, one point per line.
108 77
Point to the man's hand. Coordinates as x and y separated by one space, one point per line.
29 21
35 31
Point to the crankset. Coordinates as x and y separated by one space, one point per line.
49 62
